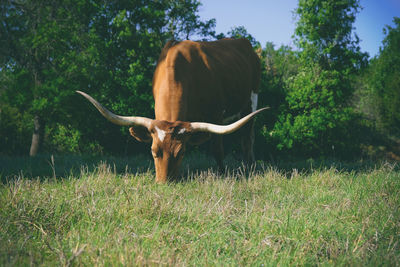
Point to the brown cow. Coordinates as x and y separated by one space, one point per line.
197 81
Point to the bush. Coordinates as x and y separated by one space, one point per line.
316 121
64 138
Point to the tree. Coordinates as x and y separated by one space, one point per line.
384 80
278 66
185 22
108 48
241 32
317 118
38 34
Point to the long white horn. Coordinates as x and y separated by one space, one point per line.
224 129
116 119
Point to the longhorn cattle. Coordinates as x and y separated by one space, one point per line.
197 86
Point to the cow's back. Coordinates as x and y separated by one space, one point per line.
204 81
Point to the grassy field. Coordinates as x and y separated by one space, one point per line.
86 212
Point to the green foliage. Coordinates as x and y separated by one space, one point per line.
278 65
109 49
316 122
184 21
316 119
15 123
14 128
384 81
64 139
241 32
324 33
322 217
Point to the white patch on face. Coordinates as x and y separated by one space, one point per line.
181 131
254 100
160 133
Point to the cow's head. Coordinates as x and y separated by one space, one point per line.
168 139
168 144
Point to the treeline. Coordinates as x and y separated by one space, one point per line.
326 97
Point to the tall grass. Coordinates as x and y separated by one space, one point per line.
257 216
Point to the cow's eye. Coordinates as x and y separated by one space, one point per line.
156 153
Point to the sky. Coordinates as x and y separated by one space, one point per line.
273 20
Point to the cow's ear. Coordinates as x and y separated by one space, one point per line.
140 133
198 138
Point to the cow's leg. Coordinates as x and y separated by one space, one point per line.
248 143
217 149
247 133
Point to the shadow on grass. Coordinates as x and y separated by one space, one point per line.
195 164
61 166
198 165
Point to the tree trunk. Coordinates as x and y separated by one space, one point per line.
37 136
